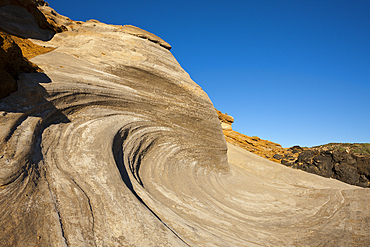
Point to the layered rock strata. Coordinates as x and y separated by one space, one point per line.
115 145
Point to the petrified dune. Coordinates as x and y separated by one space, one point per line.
115 145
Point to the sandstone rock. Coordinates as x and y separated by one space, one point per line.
145 35
32 7
22 18
12 63
226 120
254 144
115 145
349 168
29 49
18 21
7 84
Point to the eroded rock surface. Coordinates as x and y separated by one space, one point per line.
115 145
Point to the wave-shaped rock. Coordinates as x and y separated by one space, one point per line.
115 145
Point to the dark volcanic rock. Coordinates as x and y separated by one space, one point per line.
363 165
324 164
296 149
288 160
349 168
277 156
346 173
306 157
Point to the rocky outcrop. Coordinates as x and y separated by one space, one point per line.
226 120
345 166
88 148
115 145
23 18
67 24
263 148
335 161
145 35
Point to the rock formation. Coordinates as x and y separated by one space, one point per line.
344 165
145 35
12 62
263 148
115 145
336 162
226 120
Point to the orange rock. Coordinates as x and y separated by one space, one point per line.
225 119
145 35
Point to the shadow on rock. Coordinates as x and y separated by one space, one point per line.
30 99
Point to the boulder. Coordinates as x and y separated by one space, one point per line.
277 156
226 120
288 160
324 164
346 173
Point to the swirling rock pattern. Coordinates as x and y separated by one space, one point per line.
115 145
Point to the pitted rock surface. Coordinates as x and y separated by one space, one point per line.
115 145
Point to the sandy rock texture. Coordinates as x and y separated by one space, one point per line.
115 145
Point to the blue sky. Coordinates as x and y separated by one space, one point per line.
292 72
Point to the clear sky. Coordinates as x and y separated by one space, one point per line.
295 72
